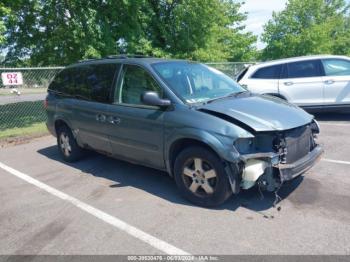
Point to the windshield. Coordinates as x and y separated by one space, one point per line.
196 82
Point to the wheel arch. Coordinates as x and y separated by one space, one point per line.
180 144
61 121
223 148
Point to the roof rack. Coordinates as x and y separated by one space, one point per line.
87 60
121 56
124 56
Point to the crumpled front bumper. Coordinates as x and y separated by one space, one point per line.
290 171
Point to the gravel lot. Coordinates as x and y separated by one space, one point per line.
108 199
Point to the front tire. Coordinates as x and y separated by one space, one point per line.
67 145
201 178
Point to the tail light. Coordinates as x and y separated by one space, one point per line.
45 103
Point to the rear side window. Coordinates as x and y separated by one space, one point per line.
310 68
269 72
336 67
94 82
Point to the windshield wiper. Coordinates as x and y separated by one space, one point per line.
235 94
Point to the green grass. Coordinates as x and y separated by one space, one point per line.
36 129
21 114
22 119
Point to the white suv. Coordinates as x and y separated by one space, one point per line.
312 82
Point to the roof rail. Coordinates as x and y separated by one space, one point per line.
87 60
121 56
116 56
124 56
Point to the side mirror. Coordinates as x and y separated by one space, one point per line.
152 99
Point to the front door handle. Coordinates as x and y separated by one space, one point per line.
288 83
114 120
329 82
100 118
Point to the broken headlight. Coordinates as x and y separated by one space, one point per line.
244 145
315 127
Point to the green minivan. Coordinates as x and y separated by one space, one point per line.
188 119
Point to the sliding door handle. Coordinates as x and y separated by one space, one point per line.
329 82
114 120
100 118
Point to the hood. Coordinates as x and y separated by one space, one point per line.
258 113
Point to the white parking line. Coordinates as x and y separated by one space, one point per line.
336 161
121 225
333 124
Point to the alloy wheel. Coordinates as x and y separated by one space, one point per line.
199 177
65 145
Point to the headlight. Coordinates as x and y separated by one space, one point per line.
244 145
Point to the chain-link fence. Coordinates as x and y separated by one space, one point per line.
230 68
33 78
22 91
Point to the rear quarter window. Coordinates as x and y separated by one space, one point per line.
63 82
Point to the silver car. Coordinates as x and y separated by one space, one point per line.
312 82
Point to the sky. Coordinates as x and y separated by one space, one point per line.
259 12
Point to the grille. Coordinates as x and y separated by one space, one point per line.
297 143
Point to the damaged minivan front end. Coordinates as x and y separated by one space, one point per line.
282 145
271 158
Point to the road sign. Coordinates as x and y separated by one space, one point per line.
12 78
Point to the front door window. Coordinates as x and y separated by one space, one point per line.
133 83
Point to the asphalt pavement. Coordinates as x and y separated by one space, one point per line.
105 206
9 99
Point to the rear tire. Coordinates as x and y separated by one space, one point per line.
201 178
67 145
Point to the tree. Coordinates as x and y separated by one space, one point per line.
206 30
4 11
308 27
55 32
59 32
